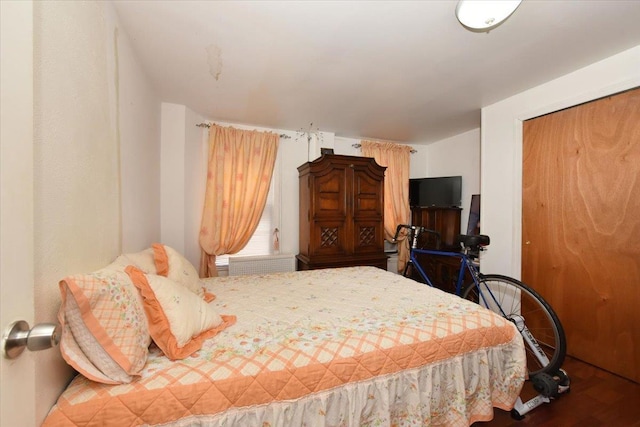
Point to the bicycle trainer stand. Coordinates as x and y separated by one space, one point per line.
549 386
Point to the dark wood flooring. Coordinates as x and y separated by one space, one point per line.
596 398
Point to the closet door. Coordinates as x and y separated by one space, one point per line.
581 226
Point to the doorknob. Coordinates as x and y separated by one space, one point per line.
18 335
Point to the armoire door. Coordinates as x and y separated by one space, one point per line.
367 210
330 228
581 226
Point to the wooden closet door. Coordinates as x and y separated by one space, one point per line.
581 226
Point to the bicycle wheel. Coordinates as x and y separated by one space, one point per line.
516 301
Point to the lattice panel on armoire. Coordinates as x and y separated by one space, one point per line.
367 236
328 237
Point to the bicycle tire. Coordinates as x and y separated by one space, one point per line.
540 319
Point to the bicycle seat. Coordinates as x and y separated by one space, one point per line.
473 242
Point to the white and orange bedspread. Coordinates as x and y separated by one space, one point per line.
338 347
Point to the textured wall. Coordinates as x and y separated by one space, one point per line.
458 155
77 202
85 208
139 135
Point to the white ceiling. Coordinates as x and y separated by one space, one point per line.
389 70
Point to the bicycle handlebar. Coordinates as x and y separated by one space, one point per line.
473 243
416 230
400 227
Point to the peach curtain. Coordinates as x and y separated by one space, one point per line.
396 189
239 175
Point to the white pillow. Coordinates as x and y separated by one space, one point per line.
179 320
171 264
144 260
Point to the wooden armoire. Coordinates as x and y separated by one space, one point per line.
341 213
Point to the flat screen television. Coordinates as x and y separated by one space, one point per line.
445 191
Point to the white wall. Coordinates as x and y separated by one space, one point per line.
172 176
293 153
138 131
419 161
501 147
345 146
80 60
453 156
77 201
458 155
195 169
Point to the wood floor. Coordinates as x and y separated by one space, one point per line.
596 398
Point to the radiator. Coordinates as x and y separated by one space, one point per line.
261 264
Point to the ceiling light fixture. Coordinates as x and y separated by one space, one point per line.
484 15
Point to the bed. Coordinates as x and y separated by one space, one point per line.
352 346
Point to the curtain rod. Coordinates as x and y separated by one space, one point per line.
360 145
208 125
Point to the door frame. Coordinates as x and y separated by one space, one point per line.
17 376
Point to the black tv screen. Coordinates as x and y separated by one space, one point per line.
443 191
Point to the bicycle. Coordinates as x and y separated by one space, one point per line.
539 325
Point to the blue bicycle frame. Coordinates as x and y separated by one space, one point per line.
464 261
466 264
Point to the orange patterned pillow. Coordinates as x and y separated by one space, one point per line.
179 320
105 334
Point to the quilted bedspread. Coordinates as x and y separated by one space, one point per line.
338 347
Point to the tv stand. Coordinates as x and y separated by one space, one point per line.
443 270
444 220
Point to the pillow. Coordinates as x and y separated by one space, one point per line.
144 260
179 320
169 263
105 334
